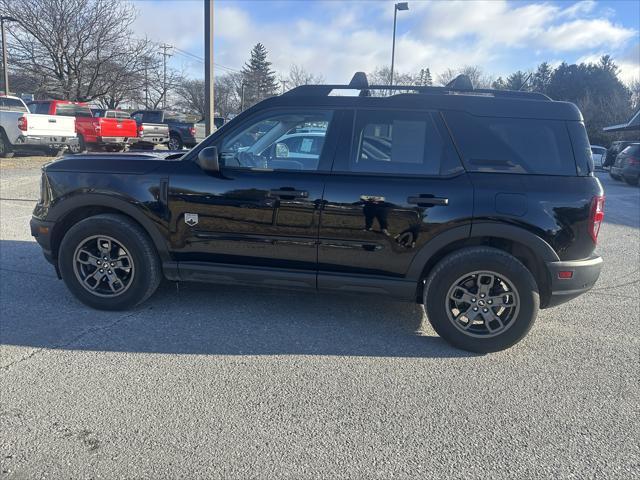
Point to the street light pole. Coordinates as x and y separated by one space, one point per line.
209 81
4 52
396 7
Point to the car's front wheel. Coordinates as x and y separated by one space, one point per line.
481 299
109 262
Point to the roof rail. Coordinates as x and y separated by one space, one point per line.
459 85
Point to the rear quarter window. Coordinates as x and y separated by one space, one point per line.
512 145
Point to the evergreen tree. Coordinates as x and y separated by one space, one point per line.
542 77
516 81
424 78
499 84
259 79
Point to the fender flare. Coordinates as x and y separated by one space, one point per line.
537 245
152 227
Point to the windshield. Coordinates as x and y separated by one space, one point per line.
12 105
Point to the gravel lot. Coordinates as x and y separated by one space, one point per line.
213 382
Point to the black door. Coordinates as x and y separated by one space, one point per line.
398 186
263 208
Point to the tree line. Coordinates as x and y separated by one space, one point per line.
86 50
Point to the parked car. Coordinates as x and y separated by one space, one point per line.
22 130
627 165
182 131
599 155
482 207
94 132
614 150
150 132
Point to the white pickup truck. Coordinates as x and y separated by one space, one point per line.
21 130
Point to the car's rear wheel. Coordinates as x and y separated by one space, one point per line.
481 299
109 262
5 146
175 143
631 181
79 147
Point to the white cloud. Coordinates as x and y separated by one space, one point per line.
351 36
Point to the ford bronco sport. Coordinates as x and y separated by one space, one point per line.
481 205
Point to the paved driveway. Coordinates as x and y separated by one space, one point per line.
218 382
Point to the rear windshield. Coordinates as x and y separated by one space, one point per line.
152 117
73 110
110 114
512 145
12 105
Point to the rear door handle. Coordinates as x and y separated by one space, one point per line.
418 200
289 193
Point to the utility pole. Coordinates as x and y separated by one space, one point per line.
209 79
284 83
396 7
164 48
242 97
4 52
146 83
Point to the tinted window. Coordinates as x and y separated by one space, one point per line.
513 145
40 108
72 110
152 117
403 143
12 105
581 148
274 141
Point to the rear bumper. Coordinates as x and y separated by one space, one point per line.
631 173
153 140
45 142
41 231
117 140
584 275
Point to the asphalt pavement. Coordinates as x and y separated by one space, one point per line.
209 381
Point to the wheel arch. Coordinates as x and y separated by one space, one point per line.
528 248
79 209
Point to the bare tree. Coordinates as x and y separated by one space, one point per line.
299 76
83 49
474 72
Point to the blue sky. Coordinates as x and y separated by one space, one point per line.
336 38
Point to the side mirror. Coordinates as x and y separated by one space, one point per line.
208 160
282 150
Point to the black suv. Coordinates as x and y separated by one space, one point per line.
482 205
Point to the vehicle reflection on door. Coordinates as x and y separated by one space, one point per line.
369 226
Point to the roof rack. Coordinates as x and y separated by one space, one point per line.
461 85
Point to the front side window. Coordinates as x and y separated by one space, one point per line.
283 141
401 143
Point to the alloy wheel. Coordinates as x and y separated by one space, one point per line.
482 304
103 266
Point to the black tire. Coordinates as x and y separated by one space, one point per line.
80 147
175 142
146 146
55 152
139 247
5 146
463 263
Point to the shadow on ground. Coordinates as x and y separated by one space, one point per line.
38 312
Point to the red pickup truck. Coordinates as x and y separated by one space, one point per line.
111 132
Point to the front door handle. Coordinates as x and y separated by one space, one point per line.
288 193
419 200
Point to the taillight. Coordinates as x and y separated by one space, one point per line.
596 217
22 123
192 131
633 161
140 130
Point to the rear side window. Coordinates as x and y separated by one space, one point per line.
512 145
12 105
401 143
581 148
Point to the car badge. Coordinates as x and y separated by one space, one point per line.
191 219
